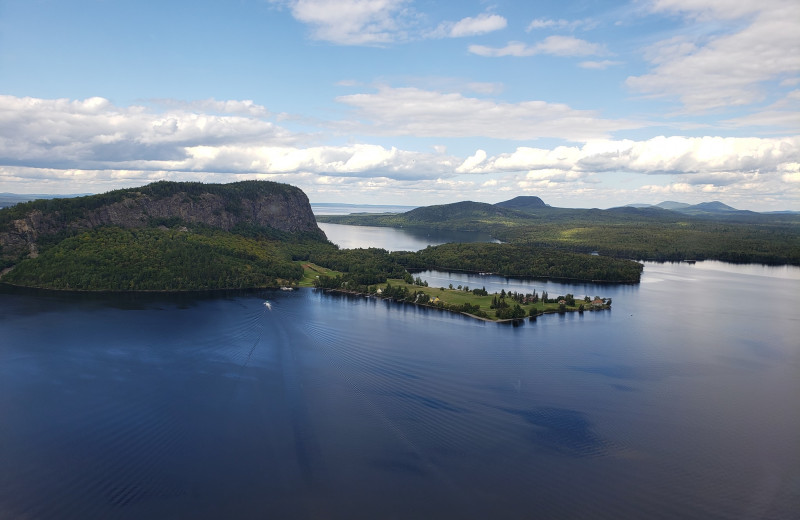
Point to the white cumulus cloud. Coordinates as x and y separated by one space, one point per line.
720 160
470 163
238 107
94 131
352 22
473 26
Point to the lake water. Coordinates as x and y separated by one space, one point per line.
391 239
681 402
327 208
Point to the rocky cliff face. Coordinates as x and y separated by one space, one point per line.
289 212
285 208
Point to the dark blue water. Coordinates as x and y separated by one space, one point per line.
681 402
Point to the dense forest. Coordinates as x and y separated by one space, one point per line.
523 260
112 258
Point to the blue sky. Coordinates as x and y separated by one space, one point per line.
584 104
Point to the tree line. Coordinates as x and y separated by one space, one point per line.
522 260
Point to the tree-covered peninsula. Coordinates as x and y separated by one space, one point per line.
476 302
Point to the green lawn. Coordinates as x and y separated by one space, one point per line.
312 271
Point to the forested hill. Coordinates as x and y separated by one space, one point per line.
523 203
465 212
649 233
269 205
164 236
462 216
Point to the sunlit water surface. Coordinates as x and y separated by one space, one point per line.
681 402
349 237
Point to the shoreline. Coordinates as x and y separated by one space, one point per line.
177 292
529 277
143 291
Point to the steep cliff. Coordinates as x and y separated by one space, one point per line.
259 204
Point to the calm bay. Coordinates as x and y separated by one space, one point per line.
680 402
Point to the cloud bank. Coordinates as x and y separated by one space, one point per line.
93 142
352 22
726 158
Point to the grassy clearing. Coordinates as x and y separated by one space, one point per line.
312 271
574 234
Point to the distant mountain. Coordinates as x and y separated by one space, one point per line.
714 208
466 215
457 211
9 199
668 204
523 203
711 207
638 211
